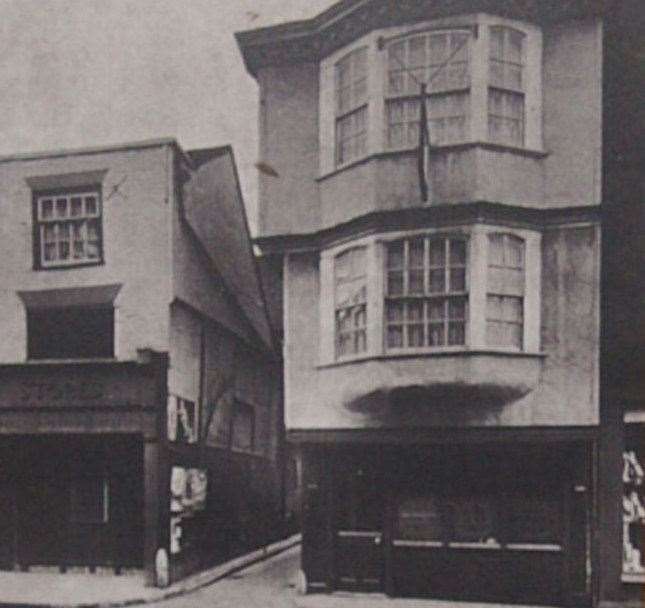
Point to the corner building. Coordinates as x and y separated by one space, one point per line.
140 394
441 357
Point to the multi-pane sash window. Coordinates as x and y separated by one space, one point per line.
440 59
351 106
505 300
68 229
350 297
426 293
506 86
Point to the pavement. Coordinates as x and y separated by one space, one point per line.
263 579
272 584
77 590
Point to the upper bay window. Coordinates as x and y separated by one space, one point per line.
67 229
351 106
482 74
440 60
506 86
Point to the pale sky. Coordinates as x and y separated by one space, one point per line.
96 72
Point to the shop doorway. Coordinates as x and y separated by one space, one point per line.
359 520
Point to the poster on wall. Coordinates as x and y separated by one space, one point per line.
633 516
188 492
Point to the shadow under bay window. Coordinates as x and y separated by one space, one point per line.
83 332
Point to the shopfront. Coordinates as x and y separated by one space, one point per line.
498 523
71 501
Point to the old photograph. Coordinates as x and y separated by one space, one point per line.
322 303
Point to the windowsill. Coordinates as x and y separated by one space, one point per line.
89 361
444 148
75 265
457 351
633 577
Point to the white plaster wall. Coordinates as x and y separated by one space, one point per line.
136 242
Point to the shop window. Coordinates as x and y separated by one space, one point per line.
243 427
505 299
634 513
350 298
70 333
426 292
89 500
67 229
441 60
351 106
421 518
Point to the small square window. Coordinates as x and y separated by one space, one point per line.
67 229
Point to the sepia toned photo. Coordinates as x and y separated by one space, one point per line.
322 303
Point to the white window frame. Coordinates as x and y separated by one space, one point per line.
477 289
354 116
377 43
60 223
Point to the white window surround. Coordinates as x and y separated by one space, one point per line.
477 236
377 66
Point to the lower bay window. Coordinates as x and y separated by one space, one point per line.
472 288
426 299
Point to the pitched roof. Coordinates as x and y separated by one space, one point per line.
215 211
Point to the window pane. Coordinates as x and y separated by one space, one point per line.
395 283
457 252
394 311
456 333
395 336
415 311
415 282
437 310
437 281
395 254
458 279
61 207
46 209
420 518
456 308
437 252
77 206
416 253
89 500
436 334
415 335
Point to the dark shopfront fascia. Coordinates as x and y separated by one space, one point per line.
497 516
80 463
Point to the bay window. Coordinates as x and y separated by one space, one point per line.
483 77
350 297
351 106
440 59
470 287
505 299
506 86
426 297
